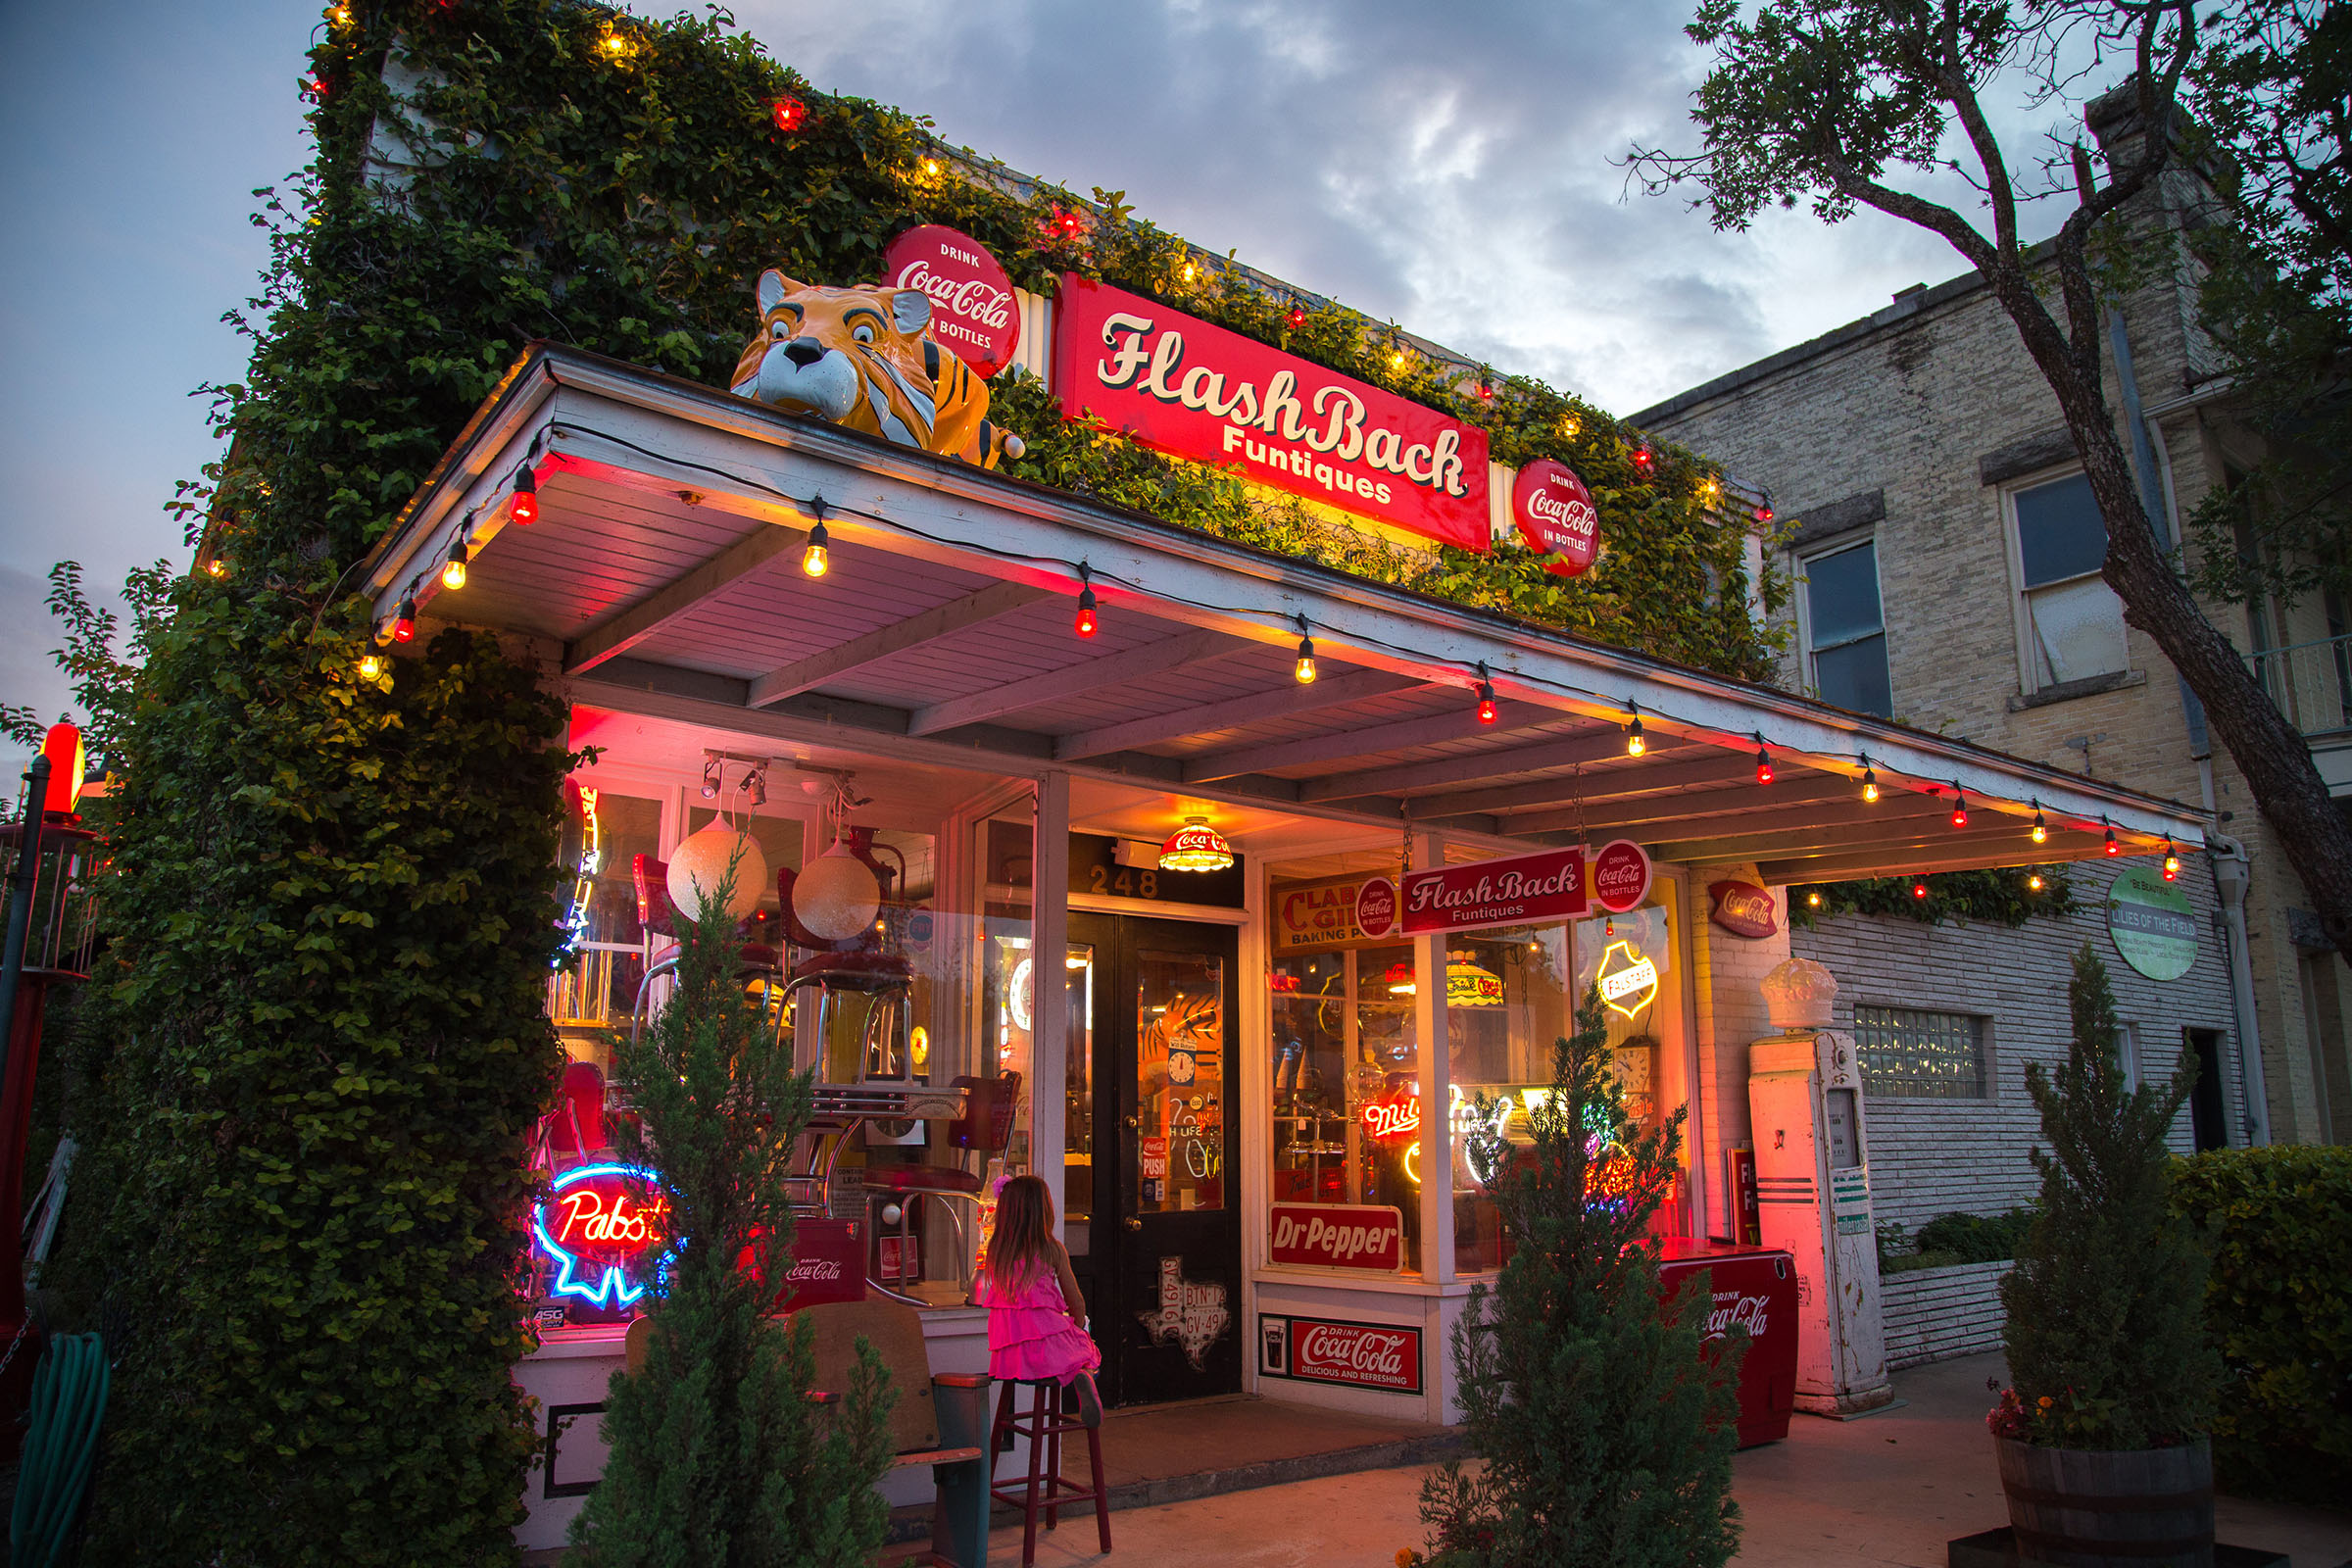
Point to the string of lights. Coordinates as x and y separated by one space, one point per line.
522 508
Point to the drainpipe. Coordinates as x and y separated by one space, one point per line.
2231 874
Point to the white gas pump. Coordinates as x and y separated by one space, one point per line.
1804 1096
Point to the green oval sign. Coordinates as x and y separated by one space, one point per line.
2152 924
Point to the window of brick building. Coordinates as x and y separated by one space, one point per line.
2072 622
1908 1054
1845 632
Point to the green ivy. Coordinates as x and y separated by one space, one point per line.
2005 896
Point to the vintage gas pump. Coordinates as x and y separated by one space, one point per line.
1804 1095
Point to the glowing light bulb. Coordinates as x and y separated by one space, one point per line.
370 666
1763 766
453 571
1085 624
523 507
1918 890
1635 744
2172 861
216 568
1959 806
1813 901
404 623
1305 670
2112 847
2033 883
1869 787
2042 829
815 559
1487 713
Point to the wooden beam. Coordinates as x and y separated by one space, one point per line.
1460 724
996 600
1848 812
1555 789
623 631
1857 865
1471 767
1086 675
1725 806
1903 843
1700 776
1228 712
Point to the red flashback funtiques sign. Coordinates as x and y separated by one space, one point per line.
1334 1236
1180 385
973 311
1556 517
1515 891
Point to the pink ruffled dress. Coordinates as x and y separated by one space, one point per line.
1031 1335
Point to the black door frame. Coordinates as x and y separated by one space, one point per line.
1118 1269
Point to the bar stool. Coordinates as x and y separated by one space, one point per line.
1042 1424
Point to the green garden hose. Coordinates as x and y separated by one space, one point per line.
69 1399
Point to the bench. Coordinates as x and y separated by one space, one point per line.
939 1419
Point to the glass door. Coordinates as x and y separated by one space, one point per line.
1161 1265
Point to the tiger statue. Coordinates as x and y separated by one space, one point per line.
864 358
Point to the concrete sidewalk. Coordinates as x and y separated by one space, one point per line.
1887 1490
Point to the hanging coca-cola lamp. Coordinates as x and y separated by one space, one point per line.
1196 846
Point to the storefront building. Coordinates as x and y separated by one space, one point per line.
1188 853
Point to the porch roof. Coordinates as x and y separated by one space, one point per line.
662 578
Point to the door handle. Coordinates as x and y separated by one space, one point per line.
1135 1123
1134 1224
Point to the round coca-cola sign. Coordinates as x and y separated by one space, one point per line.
972 309
1376 906
1556 517
1620 876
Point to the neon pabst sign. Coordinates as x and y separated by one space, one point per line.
600 1226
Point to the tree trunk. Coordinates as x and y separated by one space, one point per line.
2269 751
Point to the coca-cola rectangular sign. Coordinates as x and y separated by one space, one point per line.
1362 1355
1337 1235
1515 891
1180 385
828 1264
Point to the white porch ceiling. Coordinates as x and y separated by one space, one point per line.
662 579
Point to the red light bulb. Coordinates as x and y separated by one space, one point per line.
1763 766
2113 847
524 508
1295 318
1086 612
1487 713
1918 890
1959 809
790 114
404 623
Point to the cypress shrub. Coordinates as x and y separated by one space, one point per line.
718 1459
1603 1432
2278 1305
2106 1338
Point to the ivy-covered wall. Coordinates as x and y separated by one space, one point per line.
312 1065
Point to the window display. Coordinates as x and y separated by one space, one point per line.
1346 1062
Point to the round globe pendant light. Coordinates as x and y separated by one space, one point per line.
837 896
698 867
1196 846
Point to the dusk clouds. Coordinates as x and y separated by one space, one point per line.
1449 167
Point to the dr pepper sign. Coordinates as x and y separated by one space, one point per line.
1525 889
1178 384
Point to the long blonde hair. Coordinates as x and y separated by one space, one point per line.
1022 1246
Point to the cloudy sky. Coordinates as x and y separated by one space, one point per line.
1444 165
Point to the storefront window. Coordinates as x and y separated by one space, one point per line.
1630 958
1505 1004
1346 1062
1180 1081
594 982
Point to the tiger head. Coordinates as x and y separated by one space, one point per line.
864 358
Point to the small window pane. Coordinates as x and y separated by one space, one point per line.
1856 677
1908 1054
2060 533
2078 631
1841 594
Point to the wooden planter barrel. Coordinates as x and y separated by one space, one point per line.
2142 1508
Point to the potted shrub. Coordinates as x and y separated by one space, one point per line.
2102 1436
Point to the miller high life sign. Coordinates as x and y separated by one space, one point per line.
1180 385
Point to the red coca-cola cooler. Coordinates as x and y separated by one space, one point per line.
1754 1288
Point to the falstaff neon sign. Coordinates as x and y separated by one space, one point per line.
600 1232
1629 982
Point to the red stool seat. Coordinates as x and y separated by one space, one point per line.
1042 1424
921 1179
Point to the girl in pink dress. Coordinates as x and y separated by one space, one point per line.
1036 1317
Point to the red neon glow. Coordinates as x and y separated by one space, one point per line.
1392 1118
606 1221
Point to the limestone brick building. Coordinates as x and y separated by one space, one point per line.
1945 551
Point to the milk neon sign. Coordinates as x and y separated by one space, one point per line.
599 1231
